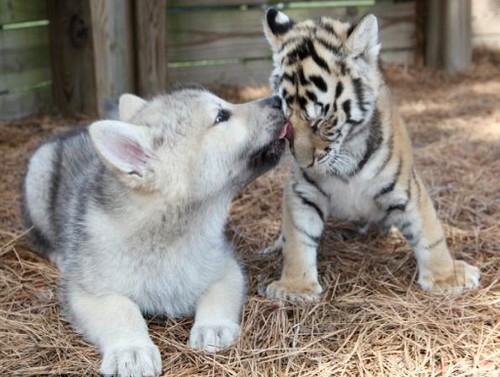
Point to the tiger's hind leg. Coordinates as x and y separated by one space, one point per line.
304 213
417 221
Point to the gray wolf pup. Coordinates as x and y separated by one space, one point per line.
132 212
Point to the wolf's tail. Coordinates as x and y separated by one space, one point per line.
38 199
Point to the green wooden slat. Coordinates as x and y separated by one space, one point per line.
24 57
207 35
264 3
23 104
14 11
213 35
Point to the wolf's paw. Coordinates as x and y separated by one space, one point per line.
131 360
213 337
462 276
295 291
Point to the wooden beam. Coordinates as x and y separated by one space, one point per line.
91 52
71 51
449 34
112 49
150 42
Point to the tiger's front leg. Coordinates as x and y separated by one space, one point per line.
305 208
419 224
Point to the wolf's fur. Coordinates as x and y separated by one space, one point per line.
353 156
133 212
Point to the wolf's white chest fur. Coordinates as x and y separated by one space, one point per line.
160 274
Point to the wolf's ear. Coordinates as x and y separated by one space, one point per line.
122 146
363 39
129 105
276 25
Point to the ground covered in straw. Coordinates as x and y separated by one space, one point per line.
373 319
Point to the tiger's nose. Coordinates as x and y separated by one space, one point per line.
274 102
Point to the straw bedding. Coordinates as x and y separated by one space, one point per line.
373 320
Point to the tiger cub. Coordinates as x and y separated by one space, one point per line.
352 154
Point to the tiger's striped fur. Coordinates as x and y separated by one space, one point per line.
352 154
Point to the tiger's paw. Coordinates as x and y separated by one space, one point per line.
462 276
294 291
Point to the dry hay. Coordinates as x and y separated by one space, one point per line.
373 320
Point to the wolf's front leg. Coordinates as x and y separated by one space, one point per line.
115 324
437 270
217 321
305 208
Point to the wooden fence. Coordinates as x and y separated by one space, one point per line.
215 44
25 77
70 54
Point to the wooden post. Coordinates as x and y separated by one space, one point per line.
448 40
113 49
91 53
72 60
150 42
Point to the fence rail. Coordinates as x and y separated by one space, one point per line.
215 44
25 77
73 53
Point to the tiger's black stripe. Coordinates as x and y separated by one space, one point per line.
339 88
318 59
329 29
315 239
306 50
313 183
346 106
358 131
302 78
417 183
288 77
308 202
343 68
390 187
358 92
326 44
435 243
390 152
397 207
373 143
311 96
351 28
302 103
318 82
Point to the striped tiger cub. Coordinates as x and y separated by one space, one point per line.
352 154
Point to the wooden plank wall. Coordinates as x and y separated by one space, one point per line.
224 44
486 23
448 35
103 48
25 78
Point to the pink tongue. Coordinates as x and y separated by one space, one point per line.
285 131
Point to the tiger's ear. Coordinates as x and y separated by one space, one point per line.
129 105
276 25
363 39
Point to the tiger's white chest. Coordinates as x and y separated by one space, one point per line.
352 201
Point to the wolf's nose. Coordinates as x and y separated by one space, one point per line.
274 102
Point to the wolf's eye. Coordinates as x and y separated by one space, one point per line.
222 116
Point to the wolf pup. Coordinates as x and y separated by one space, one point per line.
132 212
